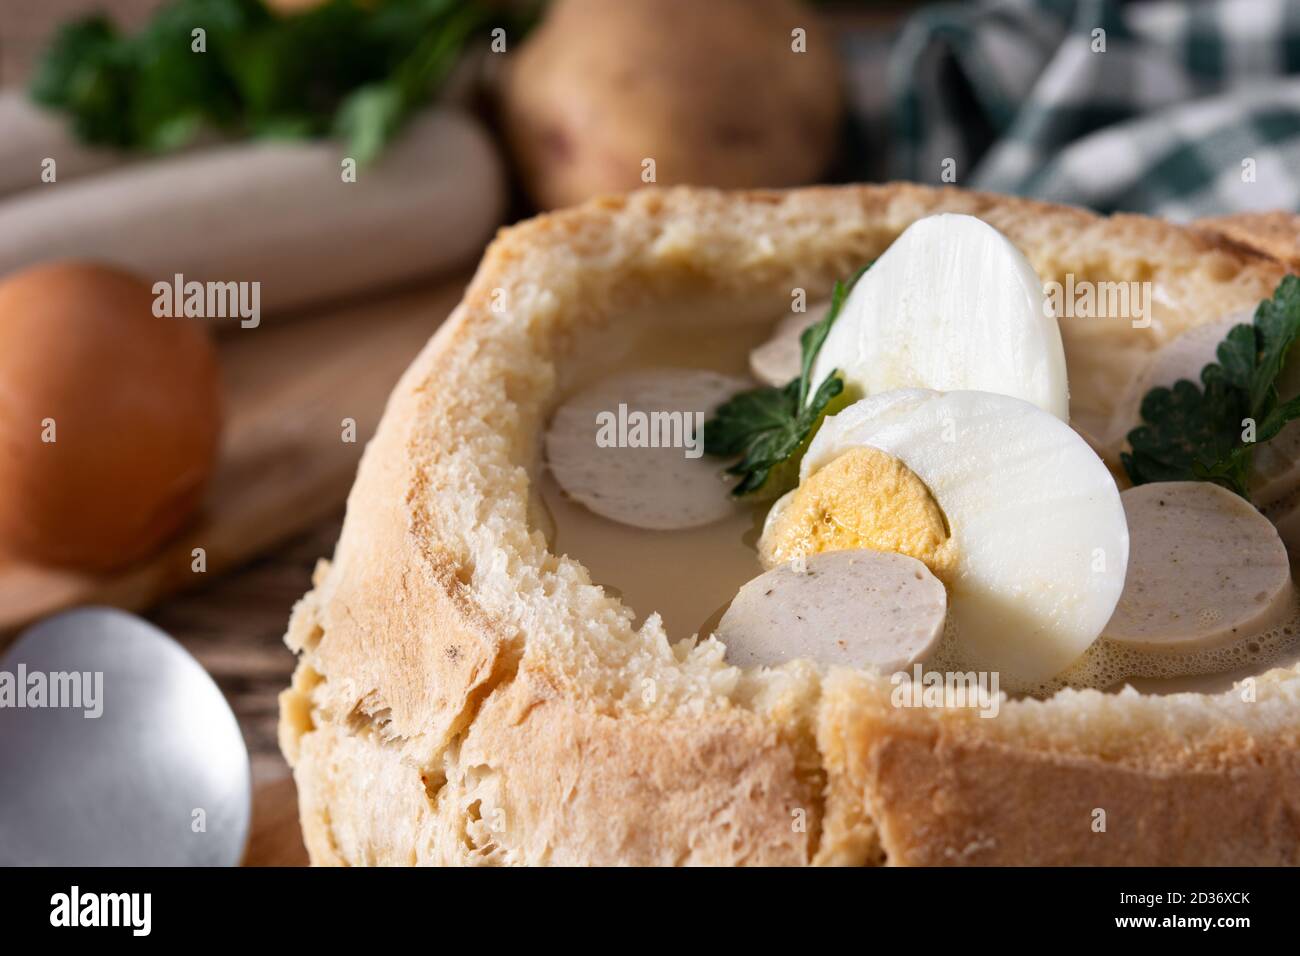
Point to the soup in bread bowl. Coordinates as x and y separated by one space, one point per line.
603 596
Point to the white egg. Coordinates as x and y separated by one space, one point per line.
1039 543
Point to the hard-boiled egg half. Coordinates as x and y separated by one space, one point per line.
1003 502
952 304
980 529
960 456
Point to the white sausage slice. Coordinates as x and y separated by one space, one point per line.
780 358
1275 468
869 609
1035 561
1285 515
1182 357
1205 569
627 479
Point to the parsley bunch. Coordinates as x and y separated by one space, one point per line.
1196 433
342 68
771 427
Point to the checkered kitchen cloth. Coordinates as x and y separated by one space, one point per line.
1181 109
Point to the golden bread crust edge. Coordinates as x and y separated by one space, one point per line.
1275 234
426 727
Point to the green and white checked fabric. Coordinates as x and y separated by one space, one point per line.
1181 109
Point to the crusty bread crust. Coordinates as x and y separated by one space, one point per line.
1275 234
463 695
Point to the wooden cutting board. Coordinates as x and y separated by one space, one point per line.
284 463
275 838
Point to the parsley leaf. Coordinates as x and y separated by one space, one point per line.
771 427
346 68
1195 433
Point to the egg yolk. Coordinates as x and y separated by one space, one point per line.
862 499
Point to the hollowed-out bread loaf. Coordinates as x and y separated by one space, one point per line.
464 695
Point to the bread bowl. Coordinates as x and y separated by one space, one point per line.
464 695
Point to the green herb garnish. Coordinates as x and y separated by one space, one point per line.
771 427
344 68
1199 433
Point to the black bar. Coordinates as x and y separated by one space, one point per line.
565 907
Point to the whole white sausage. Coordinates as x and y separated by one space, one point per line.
278 213
30 135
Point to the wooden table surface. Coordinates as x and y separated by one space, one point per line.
234 627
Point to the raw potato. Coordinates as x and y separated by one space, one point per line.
1205 569
30 135
657 488
712 92
277 213
849 608
131 400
